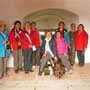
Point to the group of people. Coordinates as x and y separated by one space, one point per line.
27 42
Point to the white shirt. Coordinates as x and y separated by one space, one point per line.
47 48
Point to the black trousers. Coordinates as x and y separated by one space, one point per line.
72 55
81 58
27 59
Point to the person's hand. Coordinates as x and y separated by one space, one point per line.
65 54
44 54
85 49
56 59
12 49
30 46
8 43
4 42
69 46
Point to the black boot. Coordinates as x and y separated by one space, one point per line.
16 71
21 69
31 70
26 72
39 73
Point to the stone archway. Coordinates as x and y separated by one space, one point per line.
49 18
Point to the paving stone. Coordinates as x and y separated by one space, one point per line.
79 80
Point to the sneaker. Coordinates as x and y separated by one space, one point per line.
66 69
70 71
40 73
26 72
16 71
31 70
33 67
21 69
5 75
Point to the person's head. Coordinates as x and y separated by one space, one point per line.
48 33
2 26
27 25
61 25
33 25
73 26
17 24
58 34
80 27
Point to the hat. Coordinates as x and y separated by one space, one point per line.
2 23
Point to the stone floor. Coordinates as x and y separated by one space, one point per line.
80 80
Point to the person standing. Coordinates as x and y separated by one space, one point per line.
14 37
81 41
64 32
4 50
27 43
62 51
38 41
72 34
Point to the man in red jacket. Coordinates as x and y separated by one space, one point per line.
81 41
36 54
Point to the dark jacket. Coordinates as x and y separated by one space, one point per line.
72 38
52 45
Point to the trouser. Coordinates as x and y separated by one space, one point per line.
3 65
17 59
27 59
43 62
65 61
36 56
72 55
80 56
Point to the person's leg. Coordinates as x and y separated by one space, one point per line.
65 61
82 59
33 58
68 66
43 62
20 59
38 55
1 67
79 57
73 55
15 55
25 52
69 53
29 59
5 65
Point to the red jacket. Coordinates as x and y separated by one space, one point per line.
13 40
81 40
36 35
25 41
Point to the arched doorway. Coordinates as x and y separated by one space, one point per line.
49 18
